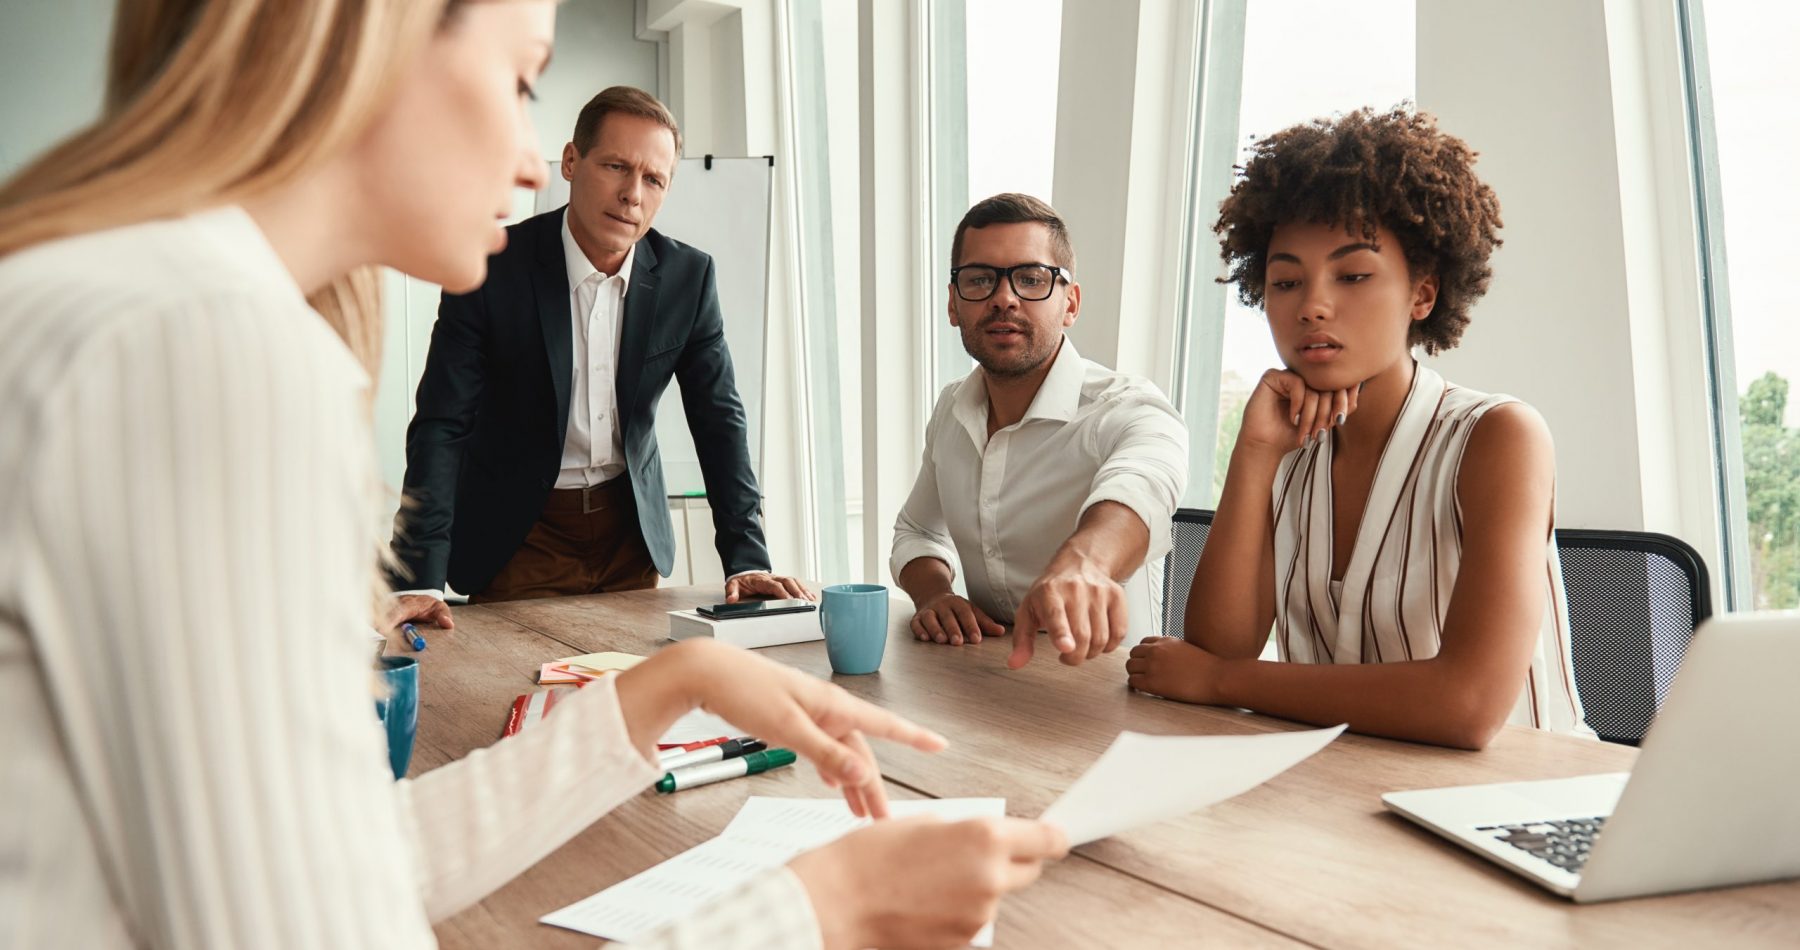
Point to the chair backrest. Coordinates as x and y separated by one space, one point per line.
1187 536
1634 599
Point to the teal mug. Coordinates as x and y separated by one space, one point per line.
854 618
399 709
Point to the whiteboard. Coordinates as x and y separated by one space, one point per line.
724 211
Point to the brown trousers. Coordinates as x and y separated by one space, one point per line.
587 541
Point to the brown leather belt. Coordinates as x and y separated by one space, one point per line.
613 493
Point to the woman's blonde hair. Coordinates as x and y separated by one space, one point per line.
211 102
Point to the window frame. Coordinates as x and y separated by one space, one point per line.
1715 309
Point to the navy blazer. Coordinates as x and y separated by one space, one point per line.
486 439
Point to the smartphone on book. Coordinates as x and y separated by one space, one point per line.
755 608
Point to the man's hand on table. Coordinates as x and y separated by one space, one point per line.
420 609
762 584
1079 605
948 618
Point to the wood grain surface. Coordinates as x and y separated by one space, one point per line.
1312 854
468 679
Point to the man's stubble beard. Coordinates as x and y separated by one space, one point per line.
990 367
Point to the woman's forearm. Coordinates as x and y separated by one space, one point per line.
660 690
1422 701
1231 603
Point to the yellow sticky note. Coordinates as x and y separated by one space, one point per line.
604 662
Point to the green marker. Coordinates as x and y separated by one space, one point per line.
720 771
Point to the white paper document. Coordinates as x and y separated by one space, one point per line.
767 833
1141 779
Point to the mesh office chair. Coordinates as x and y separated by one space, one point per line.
1634 599
1187 536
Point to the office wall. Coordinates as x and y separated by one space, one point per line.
53 69
596 47
1575 110
52 73
1554 328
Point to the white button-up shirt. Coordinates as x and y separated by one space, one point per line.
592 452
1002 506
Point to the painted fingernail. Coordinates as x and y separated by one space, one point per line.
1341 417
1296 418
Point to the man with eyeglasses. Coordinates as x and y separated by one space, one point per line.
1049 478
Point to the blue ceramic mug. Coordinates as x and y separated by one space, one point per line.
855 620
399 711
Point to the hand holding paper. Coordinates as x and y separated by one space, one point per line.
1141 779
766 834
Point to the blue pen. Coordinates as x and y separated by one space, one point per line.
412 636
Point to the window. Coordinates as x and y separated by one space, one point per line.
1742 78
994 99
821 91
1294 68
1012 48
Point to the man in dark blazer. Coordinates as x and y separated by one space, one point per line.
532 467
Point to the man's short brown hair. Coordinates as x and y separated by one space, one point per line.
629 100
1014 208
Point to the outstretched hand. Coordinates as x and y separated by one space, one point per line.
1081 608
781 706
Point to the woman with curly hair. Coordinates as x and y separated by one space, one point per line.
1394 529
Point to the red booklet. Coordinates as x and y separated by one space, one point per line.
530 708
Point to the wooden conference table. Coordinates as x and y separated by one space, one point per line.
1311 858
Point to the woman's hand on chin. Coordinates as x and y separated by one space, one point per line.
1285 414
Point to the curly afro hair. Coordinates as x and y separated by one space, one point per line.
1366 170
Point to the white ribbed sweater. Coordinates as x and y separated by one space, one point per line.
188 750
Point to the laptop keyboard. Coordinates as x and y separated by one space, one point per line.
1564 844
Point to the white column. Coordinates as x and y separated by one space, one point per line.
899 305
1124 107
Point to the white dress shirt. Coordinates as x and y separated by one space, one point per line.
592 452
1002 506
188 745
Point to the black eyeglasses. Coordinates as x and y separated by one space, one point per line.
975 282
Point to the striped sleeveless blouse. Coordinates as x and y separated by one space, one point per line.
1396 587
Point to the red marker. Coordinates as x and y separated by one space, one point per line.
671 750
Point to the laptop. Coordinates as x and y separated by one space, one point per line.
1714 799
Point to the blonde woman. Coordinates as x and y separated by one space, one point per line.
187 539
